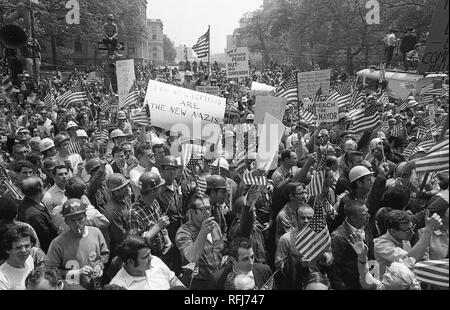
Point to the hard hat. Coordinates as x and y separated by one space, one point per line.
91 164
358 172
375 143
244 100
121 115
81 133
60 139
157 141
46 144
412 103
150 181
222 163
410 98
188 73
323 132
71 124
116 182
403 169
110 16
73 207
216 182
250 117
117 133
170 161
40 104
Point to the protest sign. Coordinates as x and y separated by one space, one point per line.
125 78
327 111
275 106
260 89
211 90
435 57
237 63
184 110
309 83
269 137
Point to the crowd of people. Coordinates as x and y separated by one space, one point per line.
91 198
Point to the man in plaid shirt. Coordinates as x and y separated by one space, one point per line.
145 218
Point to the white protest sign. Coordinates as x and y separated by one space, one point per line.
125 78
260 89
237 63
269 134
275 106
184 110
211 90
327 111
310 82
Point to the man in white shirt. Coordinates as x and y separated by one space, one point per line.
55 195
18 243
62 155
146 159
141 270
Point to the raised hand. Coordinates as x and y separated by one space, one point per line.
358 245
434 222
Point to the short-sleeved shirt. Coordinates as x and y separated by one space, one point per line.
157 277
12 278
285 221
388 250
211 257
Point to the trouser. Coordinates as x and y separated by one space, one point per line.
389 54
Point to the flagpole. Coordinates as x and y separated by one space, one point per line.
209 55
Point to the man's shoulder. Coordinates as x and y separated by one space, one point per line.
341 232
261 267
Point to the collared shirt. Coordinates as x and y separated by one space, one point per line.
117 214
282 174
157 277
170 200
142 218
388 250
55 196
285 221
211 256
360 231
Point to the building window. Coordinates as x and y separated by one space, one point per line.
78 47
131 50
154 37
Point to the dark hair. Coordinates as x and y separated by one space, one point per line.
47 272
34 159
90 145
193 198
116 149
316 277
380 219
239 243
22 164
130 246
395 218
8 210
57 167
141 150
14 233
31 186
285 154
75 188
157 146
396 197
351 205
113 287
292 187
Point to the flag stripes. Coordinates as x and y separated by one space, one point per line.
288 89
436 158
256 177
364 119
201 48
432 272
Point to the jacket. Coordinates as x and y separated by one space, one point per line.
261 273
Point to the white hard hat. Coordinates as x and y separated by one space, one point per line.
358 172
71 124
222 163
82 133
46 144
117 133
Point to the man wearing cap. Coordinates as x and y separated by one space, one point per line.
146 218
221 167
82 138
122 123
117 209
47 148
71 161
81 252
96 187
71 129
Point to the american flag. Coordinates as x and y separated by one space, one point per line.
74 148
5 179
141 116
422 131
364 119
255 177
102 136
422 144
436 158
72 96
384 99
3 95
132 98
110 104
315 238
93 78
288 89
403 106
268 286
439 126
315 186
344 88
433 272
7 83
383 127
434 88
49 100
398 131
201 48
307 116
342 100
240 155
357 99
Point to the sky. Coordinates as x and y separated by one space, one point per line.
186 20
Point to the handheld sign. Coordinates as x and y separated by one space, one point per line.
327 111
309 83
435 57
237 63
211 90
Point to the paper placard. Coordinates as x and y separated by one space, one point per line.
275 106
237 63
269 137
309 83
125 78
211 90
260 89
327 111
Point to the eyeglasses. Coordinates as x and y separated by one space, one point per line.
411 228
26 246
205 209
